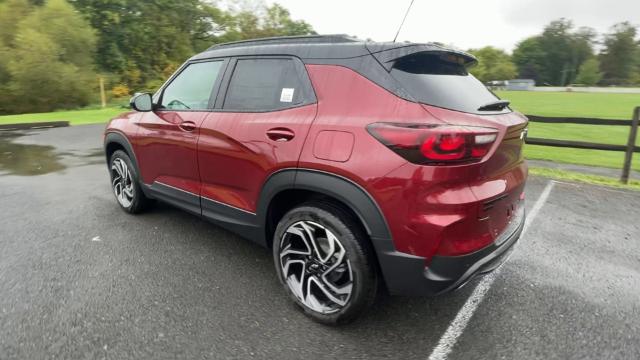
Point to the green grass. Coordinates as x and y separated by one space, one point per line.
579 177
572 104
75 117
560 104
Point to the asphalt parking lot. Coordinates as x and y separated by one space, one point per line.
81 279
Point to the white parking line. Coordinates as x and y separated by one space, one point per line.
459 323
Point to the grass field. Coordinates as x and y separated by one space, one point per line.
75 117
594 105
567 104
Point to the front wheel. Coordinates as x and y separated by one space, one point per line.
125 183
325 262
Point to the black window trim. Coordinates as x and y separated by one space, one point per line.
308 93
214 91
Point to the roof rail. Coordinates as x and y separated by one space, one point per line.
300 39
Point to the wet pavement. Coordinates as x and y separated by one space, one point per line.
38 152
81 279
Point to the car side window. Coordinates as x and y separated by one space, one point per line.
191 89
264 84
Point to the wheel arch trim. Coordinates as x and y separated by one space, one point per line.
116 137
336 186
120 139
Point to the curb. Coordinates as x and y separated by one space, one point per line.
36 125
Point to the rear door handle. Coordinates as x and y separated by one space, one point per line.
280 134
187 126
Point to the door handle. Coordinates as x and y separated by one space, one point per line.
187 125
280 134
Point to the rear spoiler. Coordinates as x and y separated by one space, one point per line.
386 54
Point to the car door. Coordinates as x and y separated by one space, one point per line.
167 137
259 126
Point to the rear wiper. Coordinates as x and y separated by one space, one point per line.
495 106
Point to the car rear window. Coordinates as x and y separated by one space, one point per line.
442 80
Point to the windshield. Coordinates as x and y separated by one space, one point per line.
442 80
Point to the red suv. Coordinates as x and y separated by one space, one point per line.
362 165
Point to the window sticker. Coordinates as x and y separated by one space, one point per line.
287 95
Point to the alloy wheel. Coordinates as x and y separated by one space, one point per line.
122 182
315 267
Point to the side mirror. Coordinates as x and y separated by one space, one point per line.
141 102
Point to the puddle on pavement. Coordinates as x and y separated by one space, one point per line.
27 160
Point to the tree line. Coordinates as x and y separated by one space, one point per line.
563 55
52 51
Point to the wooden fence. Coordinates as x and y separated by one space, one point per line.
629 149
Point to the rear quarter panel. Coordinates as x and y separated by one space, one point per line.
420 203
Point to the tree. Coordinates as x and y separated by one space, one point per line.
620 58
493 64
49 62
555 56
564 51
529 59
635 76
139 43
63 25
130 30
138 39
278 22
39 80
589 73
271 21
11 12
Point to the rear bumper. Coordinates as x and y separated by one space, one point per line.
405 274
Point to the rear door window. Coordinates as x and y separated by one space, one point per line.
442 80
263 85
193 87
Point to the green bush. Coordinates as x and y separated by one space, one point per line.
47 60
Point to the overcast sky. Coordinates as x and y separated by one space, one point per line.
463 23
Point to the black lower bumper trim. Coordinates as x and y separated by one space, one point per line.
405 274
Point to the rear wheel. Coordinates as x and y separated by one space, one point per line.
125 183
325 263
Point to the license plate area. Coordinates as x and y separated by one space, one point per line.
501 214
513 222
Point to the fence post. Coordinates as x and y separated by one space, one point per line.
631 144
103 97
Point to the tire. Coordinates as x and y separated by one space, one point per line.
320 250
132 199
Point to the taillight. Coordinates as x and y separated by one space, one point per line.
435 144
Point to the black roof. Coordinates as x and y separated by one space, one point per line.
283 40
317 47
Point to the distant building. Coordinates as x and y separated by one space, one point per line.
497 85
521 84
